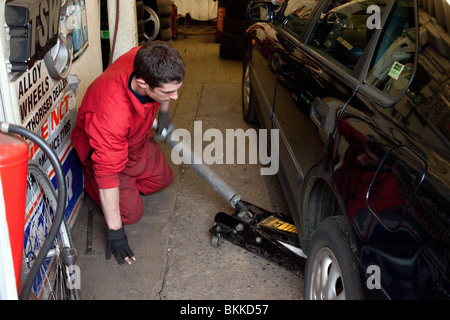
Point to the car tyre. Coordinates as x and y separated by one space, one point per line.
331 271
248 109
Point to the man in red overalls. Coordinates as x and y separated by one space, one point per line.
113 135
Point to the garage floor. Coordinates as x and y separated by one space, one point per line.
175 260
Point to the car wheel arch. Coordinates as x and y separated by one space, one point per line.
319 202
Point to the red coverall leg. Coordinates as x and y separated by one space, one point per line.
156 176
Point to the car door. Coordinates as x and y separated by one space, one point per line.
264 70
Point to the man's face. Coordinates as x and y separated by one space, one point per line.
367 159
167 92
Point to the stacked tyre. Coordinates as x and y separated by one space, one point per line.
163 9
148 24
235 23
140 12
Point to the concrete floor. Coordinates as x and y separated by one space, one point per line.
175 260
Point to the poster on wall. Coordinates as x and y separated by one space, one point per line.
36 27
41 52
80 32
38 46
47 107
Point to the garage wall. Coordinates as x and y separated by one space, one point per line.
201 10
127 37
89 65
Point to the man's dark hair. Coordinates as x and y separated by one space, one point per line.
157 63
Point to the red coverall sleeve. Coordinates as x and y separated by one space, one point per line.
107 136
350 134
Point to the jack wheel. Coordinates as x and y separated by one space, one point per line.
216 241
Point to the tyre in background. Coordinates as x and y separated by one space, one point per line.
248 109
163 9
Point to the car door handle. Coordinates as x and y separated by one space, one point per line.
319 112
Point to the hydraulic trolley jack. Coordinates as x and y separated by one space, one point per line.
272 236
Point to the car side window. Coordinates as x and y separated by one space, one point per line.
297 14
393 62
344 29
424 109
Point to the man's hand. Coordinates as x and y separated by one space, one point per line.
164 121
118 244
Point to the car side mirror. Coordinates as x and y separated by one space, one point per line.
265 11
260 11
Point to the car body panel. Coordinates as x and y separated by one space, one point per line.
330 107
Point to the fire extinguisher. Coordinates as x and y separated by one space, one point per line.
13 174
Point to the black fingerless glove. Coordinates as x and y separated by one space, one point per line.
118 244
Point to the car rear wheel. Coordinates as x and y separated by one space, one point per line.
248 110
331 272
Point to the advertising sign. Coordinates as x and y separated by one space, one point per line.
80 34
39 45
48 107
